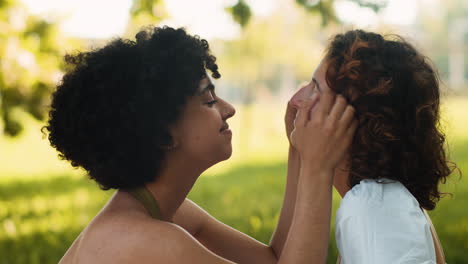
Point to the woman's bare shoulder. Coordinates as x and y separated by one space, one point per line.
134 238
111 235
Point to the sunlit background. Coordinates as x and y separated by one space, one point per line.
265 50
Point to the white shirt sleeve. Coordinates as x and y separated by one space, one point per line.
376 226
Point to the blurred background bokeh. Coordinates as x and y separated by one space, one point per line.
265 50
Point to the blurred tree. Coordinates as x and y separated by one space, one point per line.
29 63
145 12
30 50
271 50
325 9
442 28
241 12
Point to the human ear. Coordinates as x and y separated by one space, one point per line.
171 146
174 136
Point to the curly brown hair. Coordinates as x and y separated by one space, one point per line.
395 91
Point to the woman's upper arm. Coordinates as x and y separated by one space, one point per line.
173 244
220 238
190 217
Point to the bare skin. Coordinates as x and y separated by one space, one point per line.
124 232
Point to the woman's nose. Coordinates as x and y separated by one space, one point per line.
228 111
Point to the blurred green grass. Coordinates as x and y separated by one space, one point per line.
44 204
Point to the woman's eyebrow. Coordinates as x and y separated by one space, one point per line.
209 87
317 84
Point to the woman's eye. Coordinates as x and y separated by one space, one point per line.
211 103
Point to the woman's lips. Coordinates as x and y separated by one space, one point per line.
227 133
225 126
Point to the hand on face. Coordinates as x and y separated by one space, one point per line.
322 138
303 94
293 105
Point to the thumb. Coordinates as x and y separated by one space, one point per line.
292 108
296 103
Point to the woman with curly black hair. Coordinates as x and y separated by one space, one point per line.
397 158
143 117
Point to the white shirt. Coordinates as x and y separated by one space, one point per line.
380 223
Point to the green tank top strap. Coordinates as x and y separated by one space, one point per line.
144 196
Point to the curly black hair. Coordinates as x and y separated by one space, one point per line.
112 110
395 91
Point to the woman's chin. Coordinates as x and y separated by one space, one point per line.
227 154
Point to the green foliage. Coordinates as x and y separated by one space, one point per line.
375 5
43 218
240 12
437 30
273 53
31 53
145 12
325 9
143 6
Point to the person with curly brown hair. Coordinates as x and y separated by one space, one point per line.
143 117
397 159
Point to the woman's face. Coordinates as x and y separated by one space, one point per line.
202 133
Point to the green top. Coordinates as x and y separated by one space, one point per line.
145 197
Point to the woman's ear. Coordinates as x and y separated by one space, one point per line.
174 143
171 146
173 132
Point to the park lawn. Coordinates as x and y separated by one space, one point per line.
41 213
